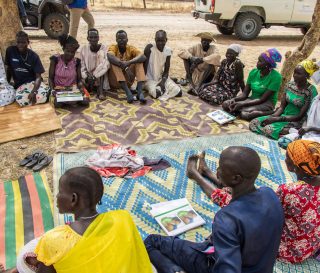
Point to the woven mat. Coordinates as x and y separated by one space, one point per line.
19 122
116 121
25 213
136 195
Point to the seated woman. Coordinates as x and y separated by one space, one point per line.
99 243
300 200
310 130
293 109
25 68
65 71
263 83
95 65
228 80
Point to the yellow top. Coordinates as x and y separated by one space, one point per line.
110 244
131 52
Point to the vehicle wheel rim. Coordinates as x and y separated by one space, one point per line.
56 26
249 27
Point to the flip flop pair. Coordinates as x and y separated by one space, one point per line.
36 161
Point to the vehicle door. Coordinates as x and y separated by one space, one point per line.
277 11
303 11
203 5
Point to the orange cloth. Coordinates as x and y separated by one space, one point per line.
305 154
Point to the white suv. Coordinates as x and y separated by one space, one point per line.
245 18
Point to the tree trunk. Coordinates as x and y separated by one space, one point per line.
309 42
9 23
144 4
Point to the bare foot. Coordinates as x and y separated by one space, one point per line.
192 171
2 270
203 167
102 97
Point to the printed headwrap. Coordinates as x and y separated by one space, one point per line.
305 154
272 56
309 66
236 48
206 35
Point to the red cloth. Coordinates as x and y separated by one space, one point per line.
301 234
221 197
119 171
301 205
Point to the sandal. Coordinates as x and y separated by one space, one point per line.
45 161
28 159
35 159
183 82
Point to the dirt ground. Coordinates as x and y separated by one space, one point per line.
141 26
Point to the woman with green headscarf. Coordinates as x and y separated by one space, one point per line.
294 106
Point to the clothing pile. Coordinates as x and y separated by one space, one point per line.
117 160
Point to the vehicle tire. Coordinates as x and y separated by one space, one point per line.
304 30
247 26
55 24
225 30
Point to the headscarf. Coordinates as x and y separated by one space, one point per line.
305 154
272 56
206 35
236 48
309 66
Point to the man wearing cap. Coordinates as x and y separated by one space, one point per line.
200 61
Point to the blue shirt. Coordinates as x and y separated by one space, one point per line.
246 234
23 69
79 4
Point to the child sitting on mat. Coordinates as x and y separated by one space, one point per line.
245 234
94 242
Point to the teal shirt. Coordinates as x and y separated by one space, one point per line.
260 85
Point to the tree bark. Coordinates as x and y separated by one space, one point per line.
308 44
9 23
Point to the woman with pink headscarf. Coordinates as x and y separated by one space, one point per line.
263 84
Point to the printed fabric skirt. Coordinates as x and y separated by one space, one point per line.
24 91
216 94
7 93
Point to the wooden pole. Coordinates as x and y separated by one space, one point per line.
9 23
308 44
144 4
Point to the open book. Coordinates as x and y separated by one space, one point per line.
221 117
65 96
176 217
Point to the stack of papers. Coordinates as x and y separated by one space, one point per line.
221 117
176 217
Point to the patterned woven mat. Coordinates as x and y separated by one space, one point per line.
25 214
116 121
136 195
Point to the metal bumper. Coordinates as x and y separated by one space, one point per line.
212 17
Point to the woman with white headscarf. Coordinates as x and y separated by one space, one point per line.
228 80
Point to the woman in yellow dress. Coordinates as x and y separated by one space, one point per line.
99 243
